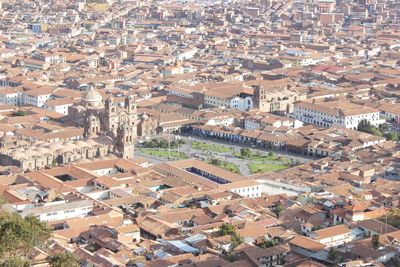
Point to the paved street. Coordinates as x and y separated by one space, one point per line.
153 159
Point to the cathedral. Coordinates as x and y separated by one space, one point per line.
103 128
117 120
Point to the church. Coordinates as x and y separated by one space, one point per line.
116 120
104 128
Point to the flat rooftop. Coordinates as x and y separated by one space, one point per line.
199 173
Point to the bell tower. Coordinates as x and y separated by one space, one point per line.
125 142
111 122
92 125
130 108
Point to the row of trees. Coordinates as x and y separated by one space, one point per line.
19 236
366 127
163 143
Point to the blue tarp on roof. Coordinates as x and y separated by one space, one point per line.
182 246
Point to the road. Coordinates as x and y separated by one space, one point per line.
153 159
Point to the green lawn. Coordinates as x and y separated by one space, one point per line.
159 152
260 167
225 165
268 162
210 147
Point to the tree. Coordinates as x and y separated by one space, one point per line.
363 125
232 256
2 201
375 131
278 209
393 218
65 259
18 236
226 229
316 227
333 257
267 243
236 239
383 127
163 143
15 262
245 152
375 241
54 163
367 127
392 136
181 142
216 162
19 113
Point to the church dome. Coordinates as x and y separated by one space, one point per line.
92 95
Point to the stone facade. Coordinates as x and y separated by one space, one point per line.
40 155
119 122
109 128
276 100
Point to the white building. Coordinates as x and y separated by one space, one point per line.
243 188
335 113
240 102
37 97
186 54
261 120
10 96
299 57
180 91
59 105
49 58
223 120
333 236
390 112
60 210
